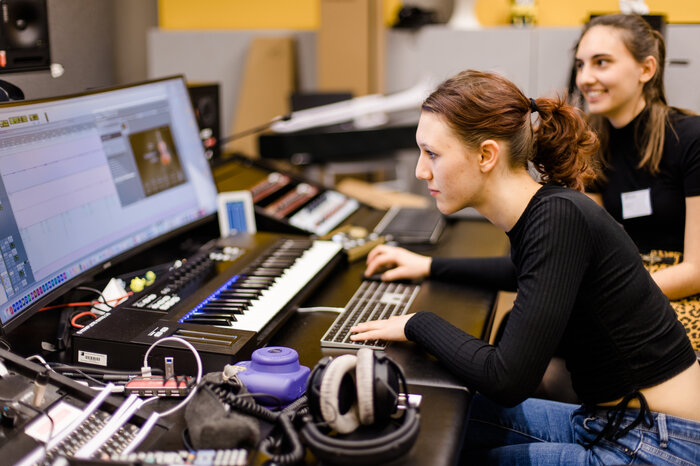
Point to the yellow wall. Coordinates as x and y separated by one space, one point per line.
574 13
238 14
305 14
248 14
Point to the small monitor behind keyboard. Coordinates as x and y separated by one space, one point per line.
373 300
411 225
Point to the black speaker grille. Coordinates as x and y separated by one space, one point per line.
24 35
205 101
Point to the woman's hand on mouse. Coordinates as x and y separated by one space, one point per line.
396 263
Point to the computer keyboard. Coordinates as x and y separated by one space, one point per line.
412 225
373 300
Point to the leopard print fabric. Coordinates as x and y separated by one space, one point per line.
687 309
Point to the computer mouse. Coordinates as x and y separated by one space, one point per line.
377 277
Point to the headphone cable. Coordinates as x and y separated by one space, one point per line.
282 418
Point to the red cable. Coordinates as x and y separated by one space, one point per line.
85 303
78 316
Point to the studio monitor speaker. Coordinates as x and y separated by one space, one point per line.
24 36
205 101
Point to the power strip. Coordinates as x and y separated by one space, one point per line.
155 385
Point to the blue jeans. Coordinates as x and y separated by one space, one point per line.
547 433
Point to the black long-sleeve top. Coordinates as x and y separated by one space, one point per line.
678 178
581 290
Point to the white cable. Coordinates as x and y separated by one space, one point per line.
87 411
143 432
41 360
38 454
199 370
338 310
150 400
117 420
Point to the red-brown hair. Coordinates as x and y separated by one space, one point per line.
479 106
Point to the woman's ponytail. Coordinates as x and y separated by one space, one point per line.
564 145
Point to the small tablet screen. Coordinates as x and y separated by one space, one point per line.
236 213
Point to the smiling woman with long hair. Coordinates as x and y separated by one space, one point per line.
650 151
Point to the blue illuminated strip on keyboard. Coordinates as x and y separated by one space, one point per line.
210 298
373 300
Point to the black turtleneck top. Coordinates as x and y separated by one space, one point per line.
678 178
582 291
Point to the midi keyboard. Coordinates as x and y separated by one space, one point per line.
228 301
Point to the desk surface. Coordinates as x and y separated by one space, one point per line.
469 308
445 399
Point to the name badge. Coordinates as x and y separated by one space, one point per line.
636 203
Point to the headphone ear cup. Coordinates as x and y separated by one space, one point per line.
330 394
375 450
386 388
364 373
313 387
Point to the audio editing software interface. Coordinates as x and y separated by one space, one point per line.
87 178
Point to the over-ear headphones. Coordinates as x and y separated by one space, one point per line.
351 393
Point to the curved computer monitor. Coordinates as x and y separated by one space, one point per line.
89 179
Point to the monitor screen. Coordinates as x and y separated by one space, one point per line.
88 179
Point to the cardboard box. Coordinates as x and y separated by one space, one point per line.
268 81
351 47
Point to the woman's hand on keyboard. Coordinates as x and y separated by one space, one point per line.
391 329
397 263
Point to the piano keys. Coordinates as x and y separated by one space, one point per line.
247 301
233 308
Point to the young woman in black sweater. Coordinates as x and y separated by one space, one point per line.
581 289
